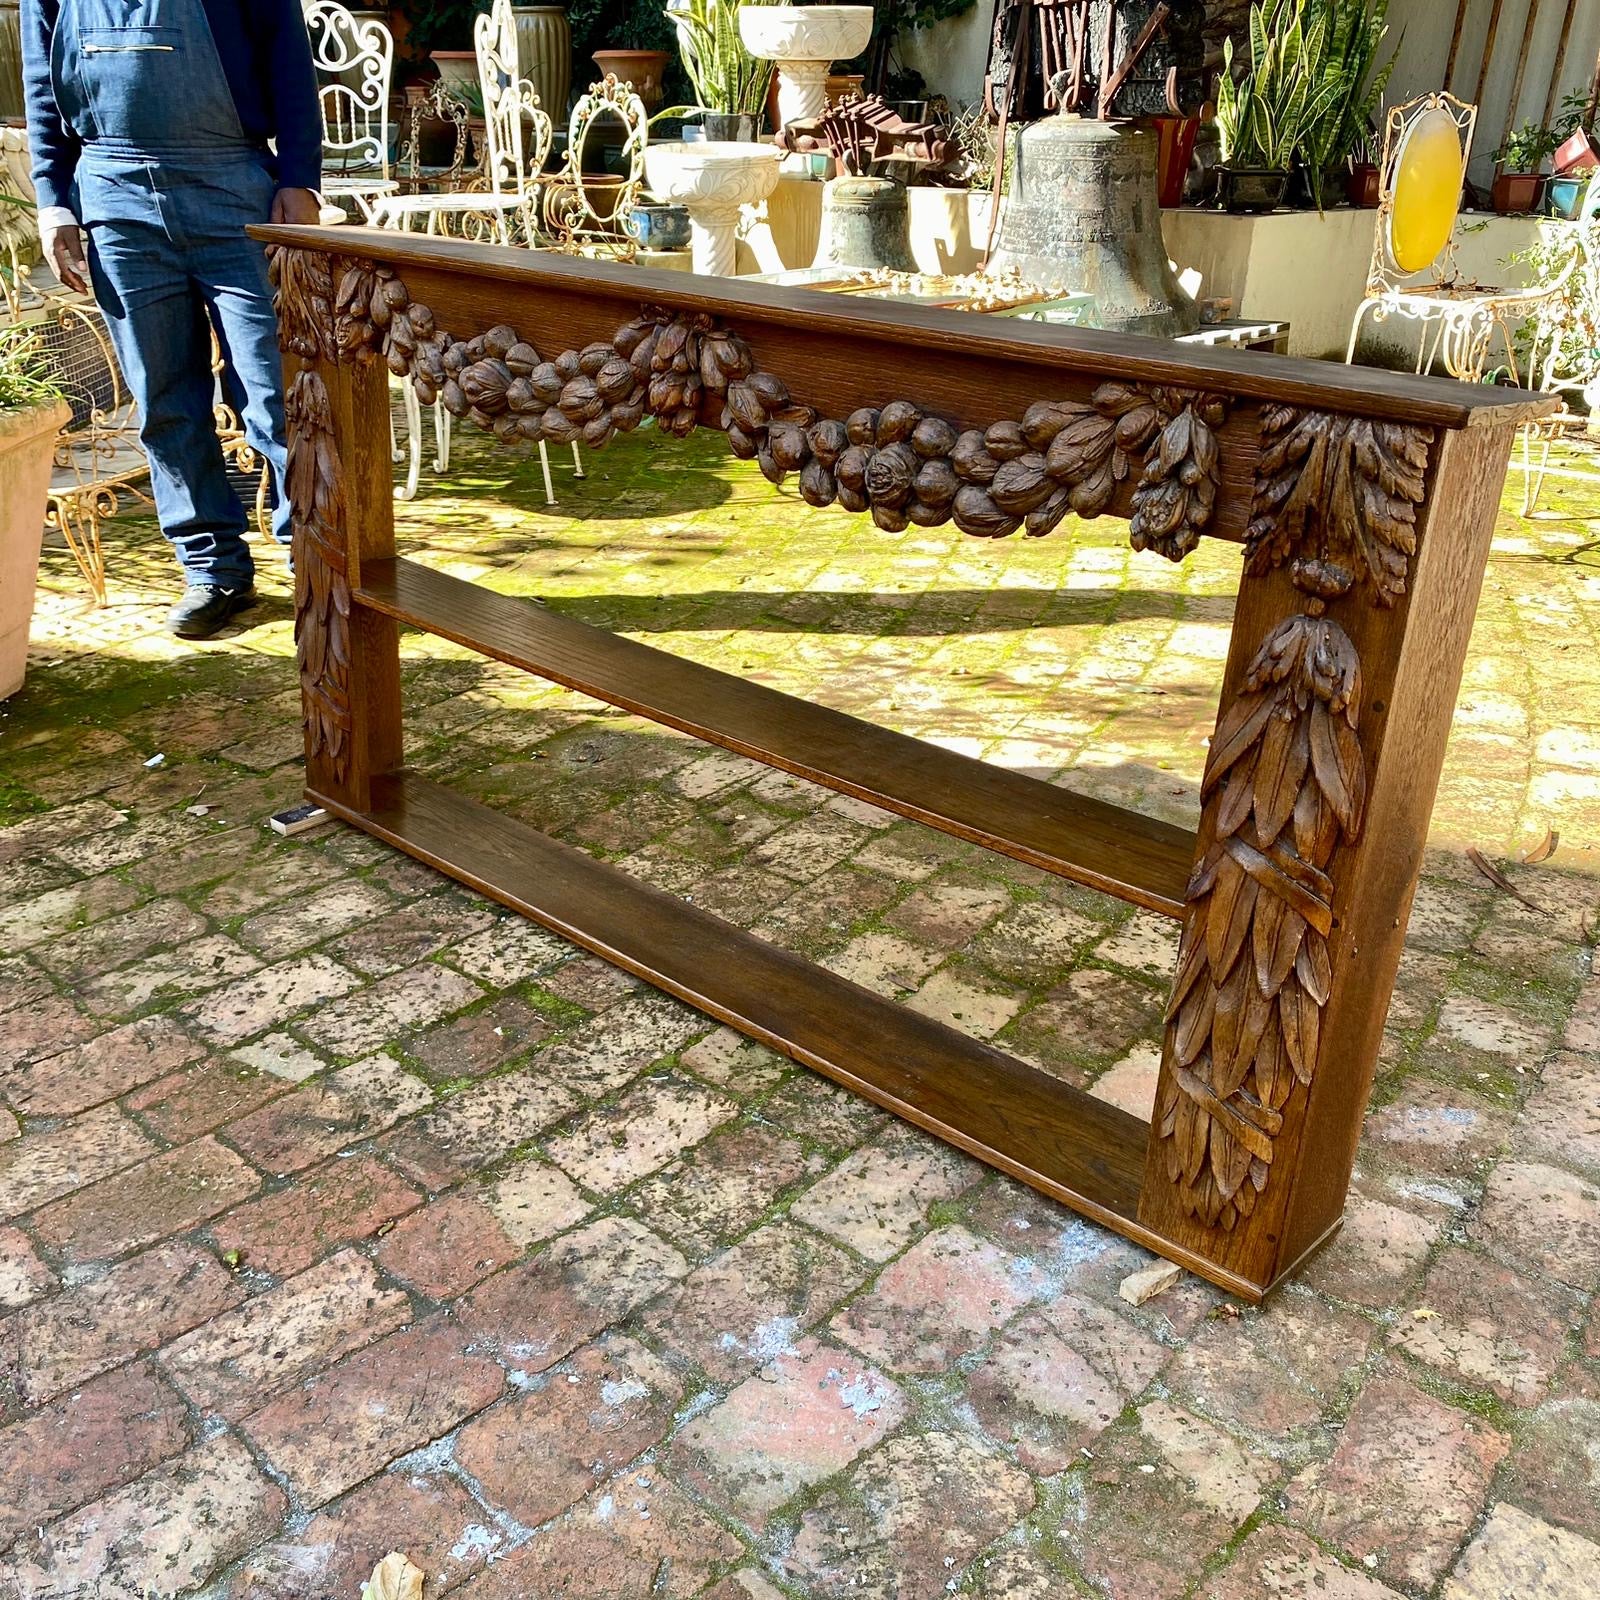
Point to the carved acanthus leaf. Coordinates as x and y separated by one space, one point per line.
1286 781
303 295
1337 498
315 484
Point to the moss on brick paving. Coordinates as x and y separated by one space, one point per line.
1071 657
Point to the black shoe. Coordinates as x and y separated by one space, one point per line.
205 607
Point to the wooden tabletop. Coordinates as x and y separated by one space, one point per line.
1252 375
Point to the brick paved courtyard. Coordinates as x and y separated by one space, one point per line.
341 1212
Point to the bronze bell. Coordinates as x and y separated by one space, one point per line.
1084 214
1084 210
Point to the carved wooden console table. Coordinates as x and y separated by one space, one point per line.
1363 502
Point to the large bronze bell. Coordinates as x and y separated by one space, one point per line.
1084 211
1084 214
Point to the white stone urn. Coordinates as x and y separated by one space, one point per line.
712 180
805 41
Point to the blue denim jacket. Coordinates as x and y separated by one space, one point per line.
266 57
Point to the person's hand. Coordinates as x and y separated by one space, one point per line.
300 206
63 249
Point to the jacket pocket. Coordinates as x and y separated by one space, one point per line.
129 41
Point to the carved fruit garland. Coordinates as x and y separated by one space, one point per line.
1335 499
898 463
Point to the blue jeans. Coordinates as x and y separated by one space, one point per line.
169 258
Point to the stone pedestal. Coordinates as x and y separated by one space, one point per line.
805 41
713 180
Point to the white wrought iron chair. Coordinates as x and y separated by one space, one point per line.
1564 343
517 138
1457 321
354 60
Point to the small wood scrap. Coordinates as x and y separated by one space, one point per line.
394 1578
1499 879
299 819
1148 1282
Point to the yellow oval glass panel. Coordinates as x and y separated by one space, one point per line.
1427 190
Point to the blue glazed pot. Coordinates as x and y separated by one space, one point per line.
1564 195
658 227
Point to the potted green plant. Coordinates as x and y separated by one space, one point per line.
729 83
1364 185
1264 110
32 413
1517 177
1350 40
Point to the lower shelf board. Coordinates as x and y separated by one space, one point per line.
1079 1150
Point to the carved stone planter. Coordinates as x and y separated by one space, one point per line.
713 180
805 41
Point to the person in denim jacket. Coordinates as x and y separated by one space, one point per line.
159 130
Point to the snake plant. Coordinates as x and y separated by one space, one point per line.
1354 37
726 77
1265 110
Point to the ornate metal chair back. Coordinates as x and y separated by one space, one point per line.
354 61
1416 177
578 208
517 130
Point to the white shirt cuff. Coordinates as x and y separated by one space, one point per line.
51 217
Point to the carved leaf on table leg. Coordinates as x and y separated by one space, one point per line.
1286 781
321 584
1337 497
303 296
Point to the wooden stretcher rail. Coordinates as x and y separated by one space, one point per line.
1083 1150
1364 503
1107 847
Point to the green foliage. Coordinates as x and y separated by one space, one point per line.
1355 31
1526 149
1574 114
440 24
25 379
726 77
1265 110
605 24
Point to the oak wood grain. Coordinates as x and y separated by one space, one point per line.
1109 848
488 284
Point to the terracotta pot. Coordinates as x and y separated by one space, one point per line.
1175 149
1515 192
642 68
27 444
1251 188
456 66
1364 186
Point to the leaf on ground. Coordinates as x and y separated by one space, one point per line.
394 1578
1499 879
1542 851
